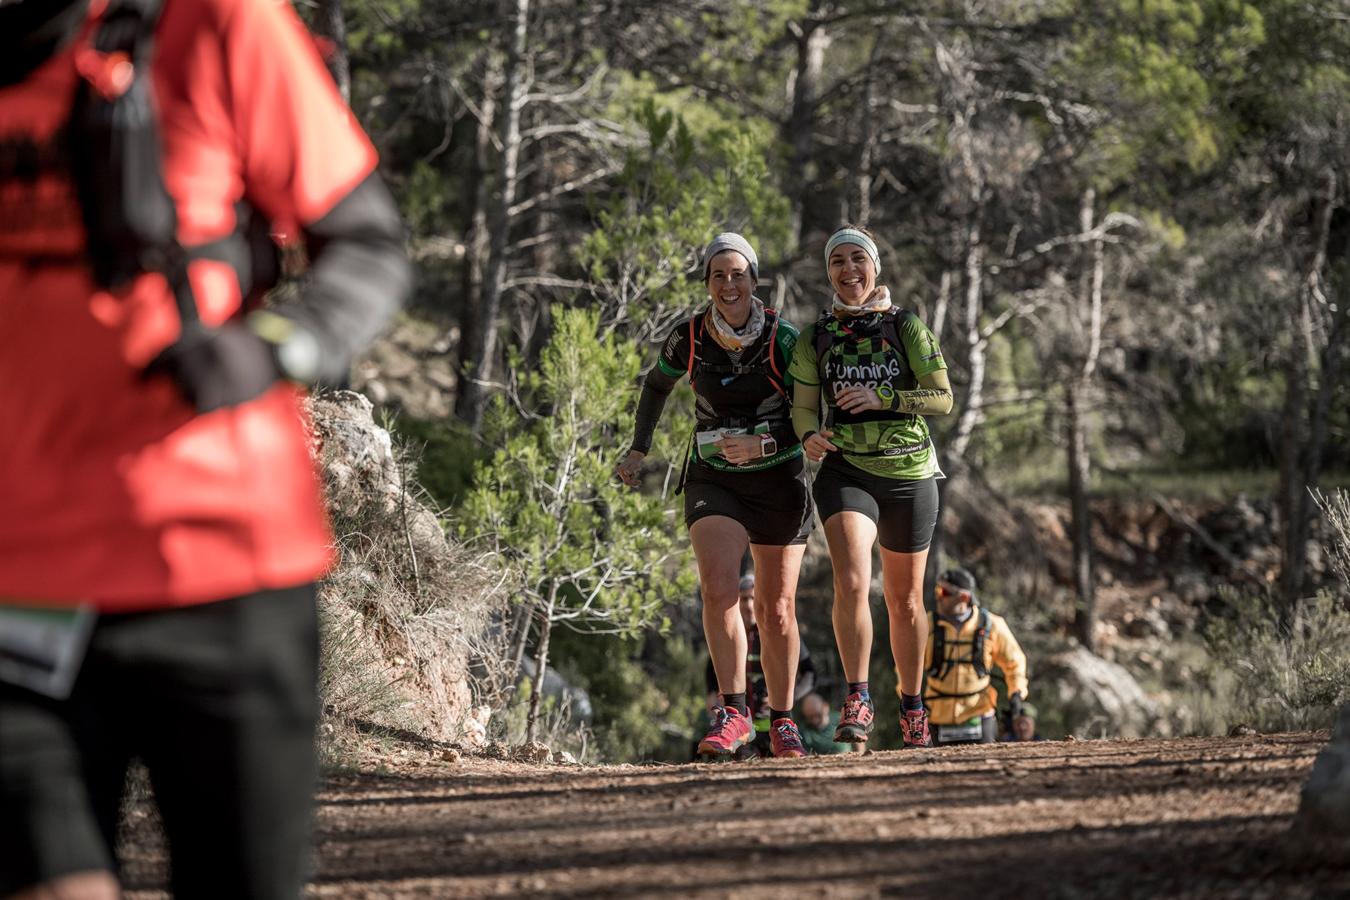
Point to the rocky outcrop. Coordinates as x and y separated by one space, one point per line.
1096 697
1324 808
406 611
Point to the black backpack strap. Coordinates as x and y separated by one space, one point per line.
823 341
937 666
977 644
131 222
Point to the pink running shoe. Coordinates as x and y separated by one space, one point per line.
914 729
785 740
855 720
730 731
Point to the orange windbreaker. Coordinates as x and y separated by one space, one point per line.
112 489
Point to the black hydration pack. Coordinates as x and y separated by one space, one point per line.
130 219
825 337
941 666
112 151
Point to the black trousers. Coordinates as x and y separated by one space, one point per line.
220 702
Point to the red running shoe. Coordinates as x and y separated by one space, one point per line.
730 731
786 740
855 720
914 728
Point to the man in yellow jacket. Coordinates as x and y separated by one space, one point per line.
965 642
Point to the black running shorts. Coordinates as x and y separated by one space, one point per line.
219 701
905 511
774 505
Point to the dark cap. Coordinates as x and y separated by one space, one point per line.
959 578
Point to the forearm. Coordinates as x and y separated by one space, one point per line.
656 388
933 397
359 277
805 408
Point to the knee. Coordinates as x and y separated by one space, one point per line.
909 602
775 617
851 587
718 594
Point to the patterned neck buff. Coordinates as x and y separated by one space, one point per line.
880 301
729 337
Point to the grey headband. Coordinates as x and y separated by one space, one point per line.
853 236
730 240
747 582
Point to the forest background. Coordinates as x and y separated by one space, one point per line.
1126 221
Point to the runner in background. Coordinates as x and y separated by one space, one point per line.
155 470
965 643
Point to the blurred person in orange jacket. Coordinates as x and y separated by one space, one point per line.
965 642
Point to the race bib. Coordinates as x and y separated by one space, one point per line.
42 648
948 734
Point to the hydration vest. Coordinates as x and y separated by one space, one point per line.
826 337
941 665
765 364
115 151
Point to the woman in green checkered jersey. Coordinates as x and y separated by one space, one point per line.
880 371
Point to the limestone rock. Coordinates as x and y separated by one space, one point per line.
1096 696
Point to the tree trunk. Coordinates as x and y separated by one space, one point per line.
483 342
1078 443
1300 453
867 151
478 185
540 662
1080 471
975 346
811 43
330 23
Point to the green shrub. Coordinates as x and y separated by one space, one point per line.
1290 668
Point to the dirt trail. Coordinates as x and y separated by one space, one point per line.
1202 818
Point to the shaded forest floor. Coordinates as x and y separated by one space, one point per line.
1196 817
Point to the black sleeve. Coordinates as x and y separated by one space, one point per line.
358 278
658 384
806 673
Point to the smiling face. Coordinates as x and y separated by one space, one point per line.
852 273
730 286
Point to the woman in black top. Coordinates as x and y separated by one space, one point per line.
745 483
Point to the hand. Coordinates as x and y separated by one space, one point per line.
739 449
818 444
217 367
858 398
1014 706
630 468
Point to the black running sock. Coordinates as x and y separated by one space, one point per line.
737 702
910 703
776 714
860 687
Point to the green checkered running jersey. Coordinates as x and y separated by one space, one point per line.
859 355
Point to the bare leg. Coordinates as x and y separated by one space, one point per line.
776 570
902 578
850 536
719 543
80 886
